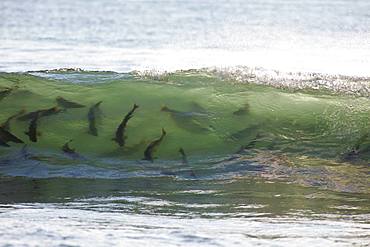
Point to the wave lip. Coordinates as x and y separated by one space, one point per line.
351 85
338 84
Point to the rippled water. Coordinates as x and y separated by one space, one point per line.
269 100
303 35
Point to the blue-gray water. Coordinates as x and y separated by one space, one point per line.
304 35
287 80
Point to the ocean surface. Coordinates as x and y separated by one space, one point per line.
185 123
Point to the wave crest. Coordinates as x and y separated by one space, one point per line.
338 84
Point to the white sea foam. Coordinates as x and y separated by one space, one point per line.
55 225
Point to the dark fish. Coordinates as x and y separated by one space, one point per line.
120 132
91 117
148 153
67 149
32 129
250 145
6 136
242 111
195 107
70 151
244 132
183 156
6 124
62 102
40 113
188 120
184 114
185 161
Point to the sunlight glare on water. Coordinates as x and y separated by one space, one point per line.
304 35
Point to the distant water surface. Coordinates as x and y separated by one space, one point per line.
303 35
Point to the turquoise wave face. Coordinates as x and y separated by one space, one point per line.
201 114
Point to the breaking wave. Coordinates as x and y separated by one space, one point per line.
223 118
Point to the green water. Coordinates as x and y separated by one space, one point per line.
299 123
